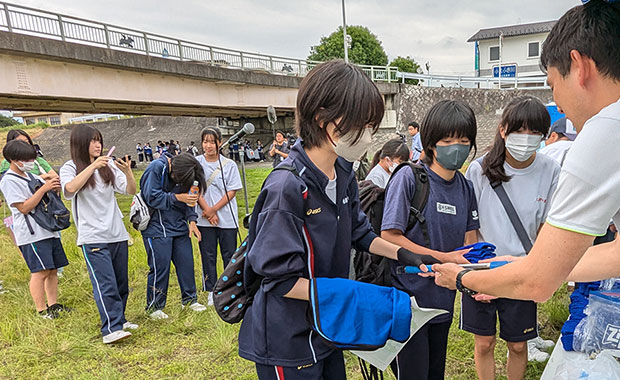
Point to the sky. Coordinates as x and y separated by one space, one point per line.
429 31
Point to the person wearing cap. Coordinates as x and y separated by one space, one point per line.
581 56
560 139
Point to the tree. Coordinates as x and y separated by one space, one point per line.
406 65
7 121
365 48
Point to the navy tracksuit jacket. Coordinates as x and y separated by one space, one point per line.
166 237
300 232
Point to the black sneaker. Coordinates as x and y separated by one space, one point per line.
45 314
57 308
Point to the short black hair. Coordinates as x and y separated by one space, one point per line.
18 150
593 30
447 118
523 112
413 124
334 90
280 132
15 133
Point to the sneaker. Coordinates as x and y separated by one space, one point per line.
534 355
158 314
2 290
59 307
210 299
116 336
196 307
45 314
542 344
130 326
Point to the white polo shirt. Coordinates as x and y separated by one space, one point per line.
587 196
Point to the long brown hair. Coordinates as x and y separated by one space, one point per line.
81 136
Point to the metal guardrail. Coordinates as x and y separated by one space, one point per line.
532 82
31 21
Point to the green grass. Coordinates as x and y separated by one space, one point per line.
187 346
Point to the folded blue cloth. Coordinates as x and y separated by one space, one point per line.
478 251
354 315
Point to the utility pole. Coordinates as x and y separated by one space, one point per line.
344 34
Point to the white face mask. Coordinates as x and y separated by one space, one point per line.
25 167
522 146
351 152
393 165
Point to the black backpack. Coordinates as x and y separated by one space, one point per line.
51 214
236 287
375 269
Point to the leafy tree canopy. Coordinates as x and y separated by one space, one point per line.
406 65
365 47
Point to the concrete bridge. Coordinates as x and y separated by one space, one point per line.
53 62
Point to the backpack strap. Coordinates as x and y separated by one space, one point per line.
420 198
513 216
30 178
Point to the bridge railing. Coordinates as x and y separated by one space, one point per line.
531 82
31 21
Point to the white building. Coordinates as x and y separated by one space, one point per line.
514 48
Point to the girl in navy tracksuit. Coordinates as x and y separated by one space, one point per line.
309 222
164 187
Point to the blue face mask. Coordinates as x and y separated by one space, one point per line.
452 157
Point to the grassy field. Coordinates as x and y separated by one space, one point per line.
187 346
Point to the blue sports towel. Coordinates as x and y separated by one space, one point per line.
478 251
578 302
355 315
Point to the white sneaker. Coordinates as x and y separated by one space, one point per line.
534 355
210 299
130 326
116 336
158 314
196 307
542 344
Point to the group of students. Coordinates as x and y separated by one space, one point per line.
465 209
292 244
90 180
309 222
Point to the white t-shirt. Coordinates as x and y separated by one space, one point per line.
530 191
95 211
588 195
215 191
378 176
558 150
16 190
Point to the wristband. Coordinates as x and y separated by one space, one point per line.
459 283
408 258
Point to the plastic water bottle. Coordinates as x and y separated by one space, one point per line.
194 191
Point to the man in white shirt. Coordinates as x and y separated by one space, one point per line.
583 72
561 137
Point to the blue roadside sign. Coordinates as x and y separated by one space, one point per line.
508 71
